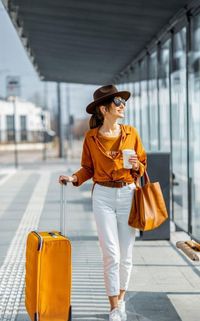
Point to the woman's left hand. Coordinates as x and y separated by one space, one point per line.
133 160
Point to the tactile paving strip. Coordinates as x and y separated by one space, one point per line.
13 269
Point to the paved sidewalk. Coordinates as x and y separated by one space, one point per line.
164 286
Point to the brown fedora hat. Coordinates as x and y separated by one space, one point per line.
104 93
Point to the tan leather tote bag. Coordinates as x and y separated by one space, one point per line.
148 209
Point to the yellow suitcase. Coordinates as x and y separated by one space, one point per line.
48 277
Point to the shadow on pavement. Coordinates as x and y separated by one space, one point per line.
150 306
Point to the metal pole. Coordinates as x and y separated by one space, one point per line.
171 67
44 142
188 51
68 116
140 95
148 99
44 121
44 136
158 90
60 132
15 132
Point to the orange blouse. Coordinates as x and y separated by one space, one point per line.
110 144
101 166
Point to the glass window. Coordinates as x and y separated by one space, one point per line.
194 125
125 87
121 87
153 102
10 127
10 122
136 100
130 104
164 101
23 120
179 130
144 104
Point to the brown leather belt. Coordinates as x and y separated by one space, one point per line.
117 184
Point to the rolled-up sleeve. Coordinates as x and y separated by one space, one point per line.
87 170
142 157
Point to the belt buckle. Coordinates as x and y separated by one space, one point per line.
121 183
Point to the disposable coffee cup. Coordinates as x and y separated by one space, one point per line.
127 153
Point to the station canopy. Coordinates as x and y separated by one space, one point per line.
88 41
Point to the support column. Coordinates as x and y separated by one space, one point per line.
60 130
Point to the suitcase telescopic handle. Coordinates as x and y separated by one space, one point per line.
63 201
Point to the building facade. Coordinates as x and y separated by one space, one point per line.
23 117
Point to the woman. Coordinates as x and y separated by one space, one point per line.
113 188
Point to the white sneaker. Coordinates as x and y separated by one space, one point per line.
122 310
115 315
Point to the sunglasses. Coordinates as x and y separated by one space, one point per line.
119 101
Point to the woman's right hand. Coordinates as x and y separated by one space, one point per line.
64 179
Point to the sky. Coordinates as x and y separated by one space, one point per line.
15 62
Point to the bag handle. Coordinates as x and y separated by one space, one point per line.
146 179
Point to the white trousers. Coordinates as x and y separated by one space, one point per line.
111 207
